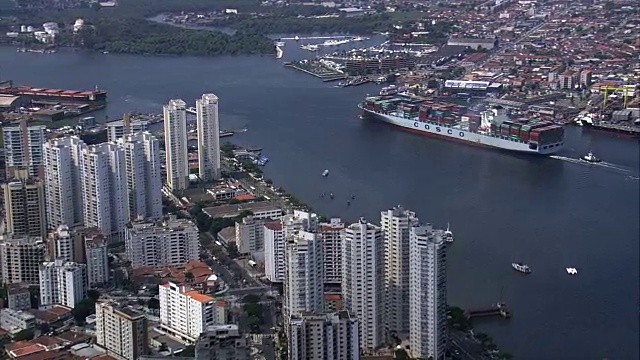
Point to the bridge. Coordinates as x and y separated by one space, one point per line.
499 309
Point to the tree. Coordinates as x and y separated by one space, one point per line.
84 308
153 303
93 295
44 328
188 277
26 334
251 299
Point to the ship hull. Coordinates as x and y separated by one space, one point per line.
628 133
462 135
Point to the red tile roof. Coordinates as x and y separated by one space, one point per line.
275 225
27 350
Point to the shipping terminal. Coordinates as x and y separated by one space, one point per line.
73 96
491 128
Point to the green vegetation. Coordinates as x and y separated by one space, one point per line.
279 24
136 36
26 334
253 310
153 303
459 320
124 29
188 352
206 223
226 149
85 307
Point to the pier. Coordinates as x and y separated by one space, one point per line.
499 309
317 37
318 71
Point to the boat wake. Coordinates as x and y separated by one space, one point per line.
602 164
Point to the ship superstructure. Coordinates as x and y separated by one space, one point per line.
491 128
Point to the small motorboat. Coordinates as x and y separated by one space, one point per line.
353 197
331 195
590 158
348 203
448 235
325 173
523 268
572 271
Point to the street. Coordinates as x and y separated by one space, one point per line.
468 349
268 348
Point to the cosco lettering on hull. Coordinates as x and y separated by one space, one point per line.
438 129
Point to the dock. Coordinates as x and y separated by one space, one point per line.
320 72
499 309
317 37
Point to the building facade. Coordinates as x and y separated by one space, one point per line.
62 244
23 149
104 189
332 235
18 297
144 179
186 313
222 342
274 251
250 235
395 224
16 320
24 206
96 255
362 280
208 137
121 331
274 240
20 259
303 274
428 293
119 128
170 242
62 283
332 336
63 187
175 139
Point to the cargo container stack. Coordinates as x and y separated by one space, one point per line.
505 128
425 111
515 132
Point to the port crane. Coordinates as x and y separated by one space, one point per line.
627 91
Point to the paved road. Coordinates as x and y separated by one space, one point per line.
268 348
246 291
468 348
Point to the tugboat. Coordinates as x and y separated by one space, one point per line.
325 173
590 158
521 268
448 235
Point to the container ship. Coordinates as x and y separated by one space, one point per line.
40 94
491 128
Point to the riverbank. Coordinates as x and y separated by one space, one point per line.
306 126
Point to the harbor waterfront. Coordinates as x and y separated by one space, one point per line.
550 213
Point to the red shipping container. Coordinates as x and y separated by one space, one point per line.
524 136
422 116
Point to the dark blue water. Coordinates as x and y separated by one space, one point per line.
550 213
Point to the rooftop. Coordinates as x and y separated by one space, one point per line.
195 295
234 210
